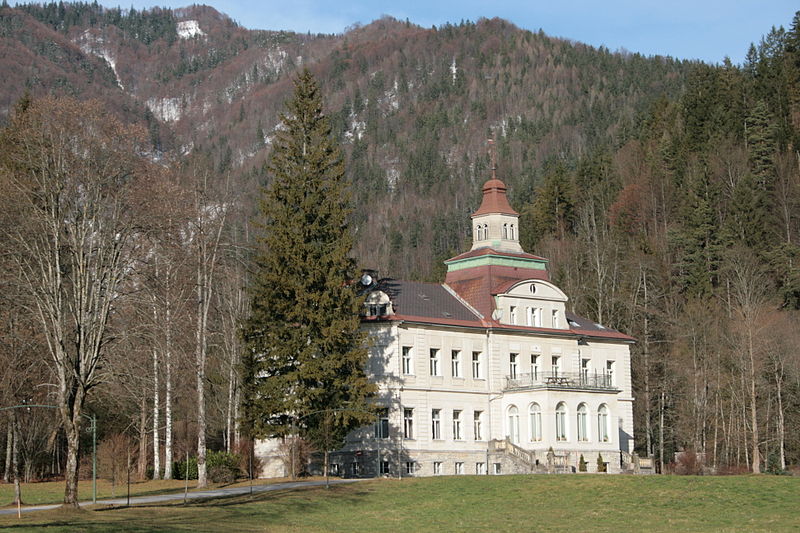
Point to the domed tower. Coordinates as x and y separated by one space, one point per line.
495 224
496 257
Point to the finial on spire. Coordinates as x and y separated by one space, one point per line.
493 155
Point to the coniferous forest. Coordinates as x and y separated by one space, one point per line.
665 193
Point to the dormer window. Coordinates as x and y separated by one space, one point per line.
378 304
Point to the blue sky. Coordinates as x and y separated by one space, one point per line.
698 29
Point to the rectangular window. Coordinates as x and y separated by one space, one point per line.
496 469
411 467
555 318
384 468
408 423
534 367
512 365
436 424
480 469
556 365
459 469
456 425
477 425
512 314
529 316
408 367
437 468
477 372
435 362
455 363
585 370
610 372
382 425
537 317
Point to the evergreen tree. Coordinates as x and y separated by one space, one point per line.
305 366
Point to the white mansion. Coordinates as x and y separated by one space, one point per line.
488 373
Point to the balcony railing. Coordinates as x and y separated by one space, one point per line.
559 380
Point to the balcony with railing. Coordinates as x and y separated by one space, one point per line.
561 380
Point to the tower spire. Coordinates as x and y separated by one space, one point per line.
493 156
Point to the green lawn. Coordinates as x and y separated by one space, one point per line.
488 503
53 492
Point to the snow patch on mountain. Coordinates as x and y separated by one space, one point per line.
92 44
189 28
166 109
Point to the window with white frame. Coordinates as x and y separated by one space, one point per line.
497 470
583 433
411 467
512 314
555 318
436 424
457 425
537 317
477 371
435 369
512 365
535 415
408 423
602 424
480 469
459 468
455 363
512 232
477 425
534 367
382 425
585 369
561 422
505 231
513 424
555 365
437 468
610 373
528 316
384 468
408 362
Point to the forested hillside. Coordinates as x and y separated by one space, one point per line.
664 192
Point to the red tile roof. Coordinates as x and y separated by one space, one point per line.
494 199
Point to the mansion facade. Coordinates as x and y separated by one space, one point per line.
489 373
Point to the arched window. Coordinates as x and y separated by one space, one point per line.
602 424
512 232
513 424
478 233
561 421
583 412
535 421
505 231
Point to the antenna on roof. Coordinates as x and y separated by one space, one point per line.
493 156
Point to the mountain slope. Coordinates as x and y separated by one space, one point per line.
412 106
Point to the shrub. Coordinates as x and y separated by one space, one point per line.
582 464
223 467
688 463
601 465
179 469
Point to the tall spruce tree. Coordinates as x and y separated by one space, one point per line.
305 366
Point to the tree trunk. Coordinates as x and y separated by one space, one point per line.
141 468
156 419
200 371
756 464
168 408
781 423
661 432
15 460
9 445
72 431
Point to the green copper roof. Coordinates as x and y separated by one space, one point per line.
496 260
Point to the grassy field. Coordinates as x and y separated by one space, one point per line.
488 503
53 492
